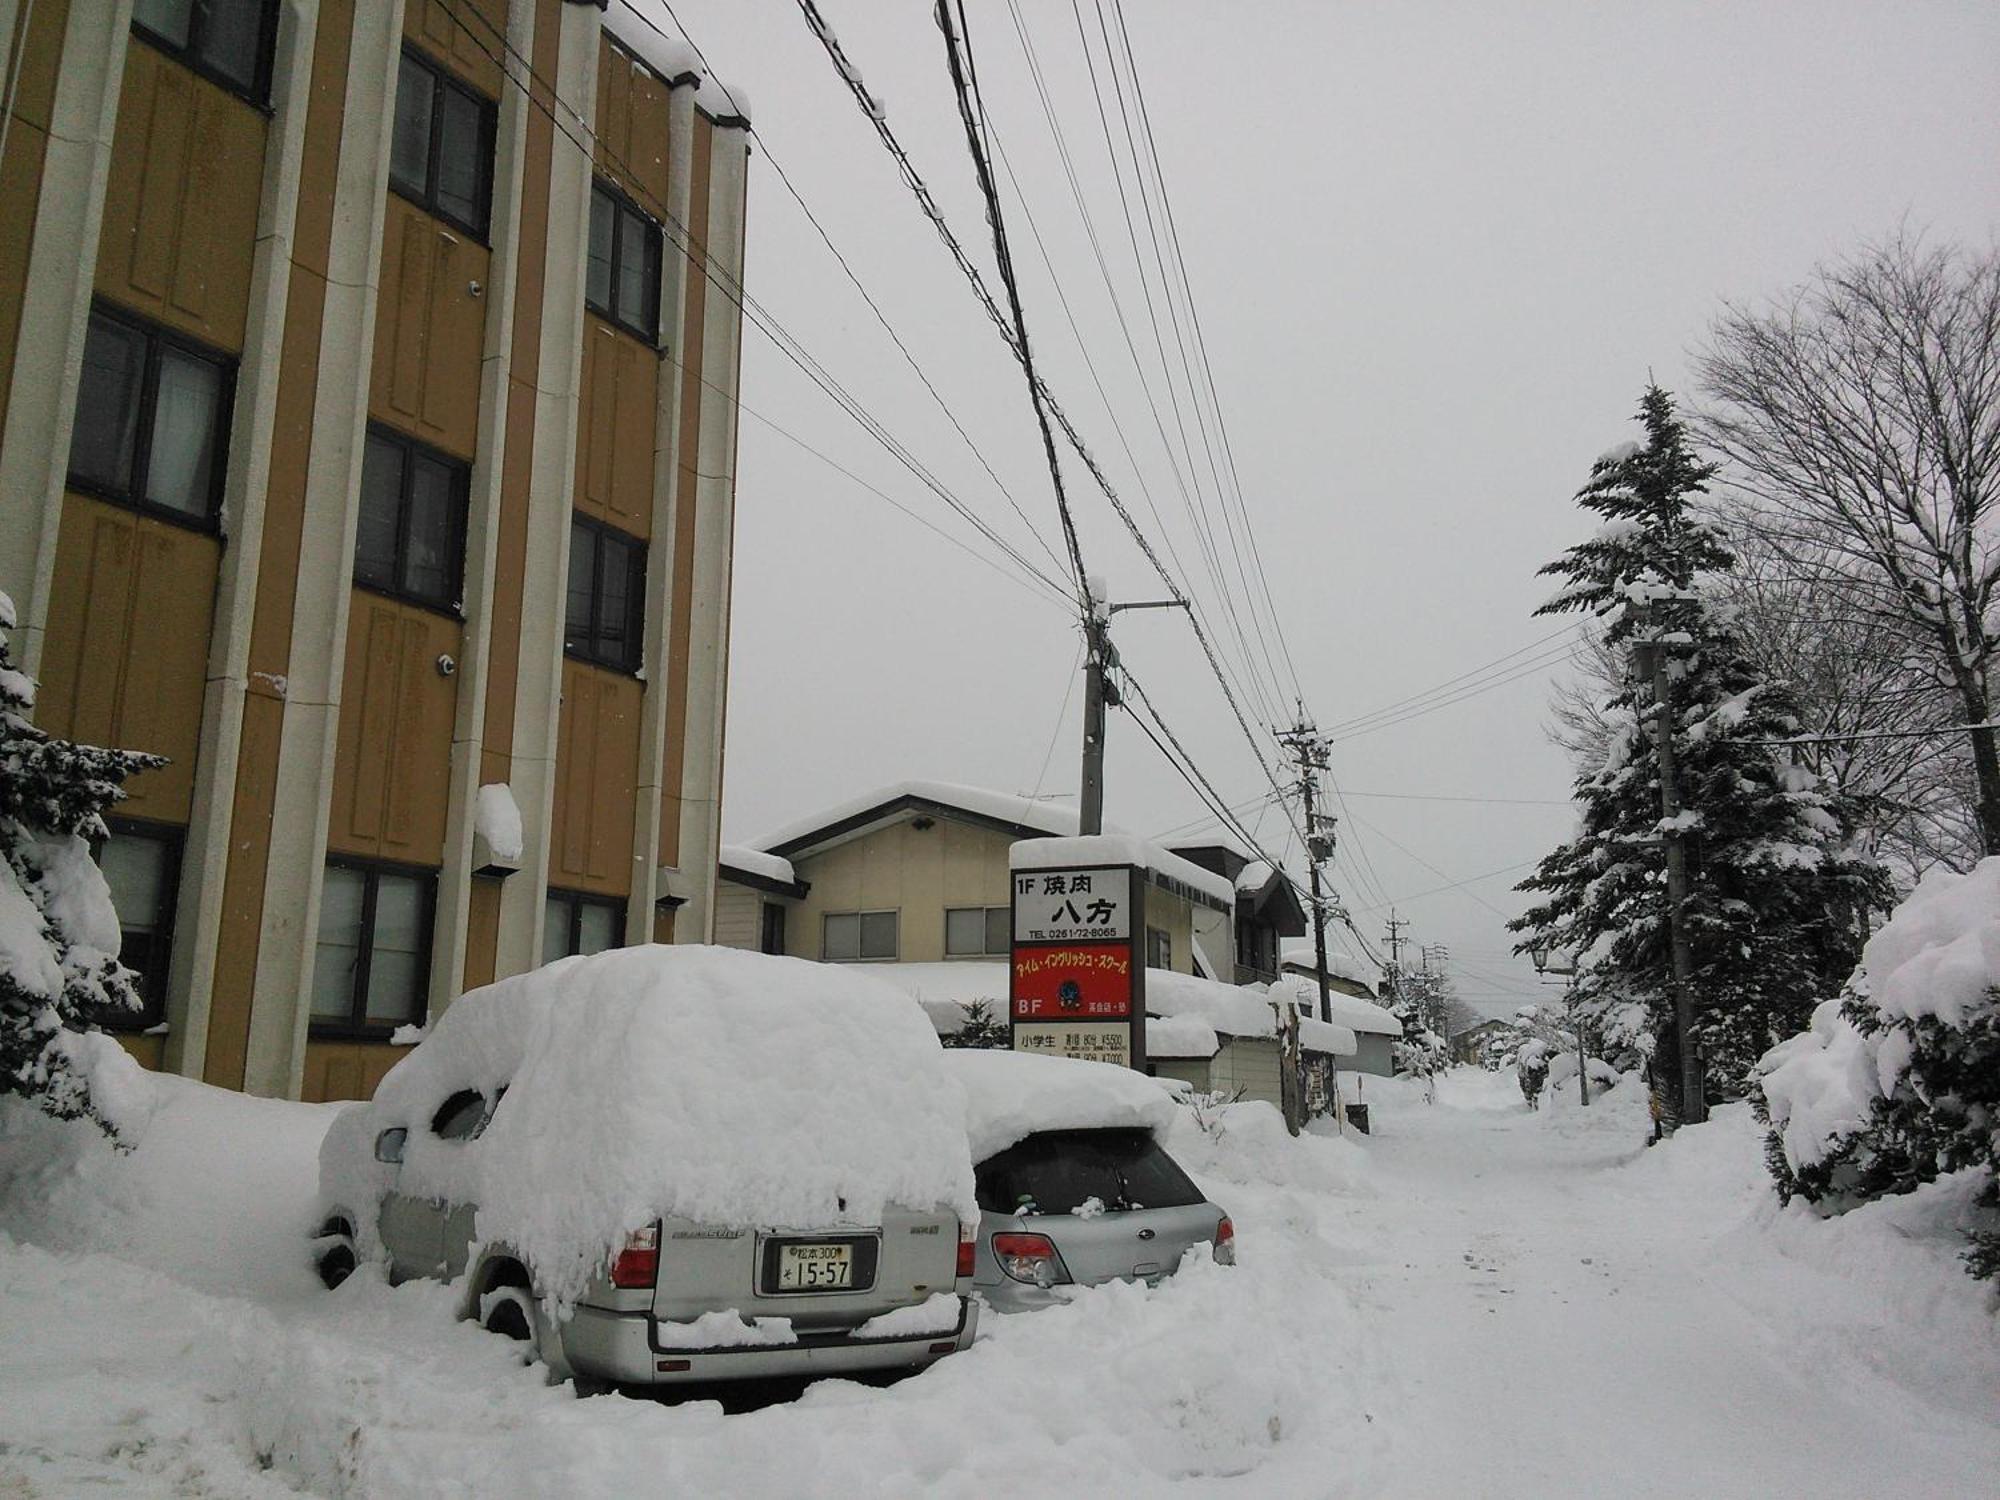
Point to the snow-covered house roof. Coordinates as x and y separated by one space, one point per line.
1026 818
755 868
644 29
1349 1010
1301 958
1238 1011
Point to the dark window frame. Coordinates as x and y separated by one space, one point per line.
158 337
442 79
766 936
356 1026
577 901
645 324
861 926
1160 944
153 977
1006 913
256 93
635 607
461 498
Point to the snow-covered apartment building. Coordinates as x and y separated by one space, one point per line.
367 373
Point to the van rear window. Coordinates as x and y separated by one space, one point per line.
1057 1171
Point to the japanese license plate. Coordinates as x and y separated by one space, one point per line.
815 1268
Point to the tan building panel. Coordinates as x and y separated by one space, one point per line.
180 206
693 393
614 439
429 323
346 1070
392 764
482 931
147 1051
597 780
129 619
467 34
243 889
632 127
21 167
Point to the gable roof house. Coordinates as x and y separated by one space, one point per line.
917 872
1268 910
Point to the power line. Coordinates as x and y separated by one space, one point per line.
1479 671
697 255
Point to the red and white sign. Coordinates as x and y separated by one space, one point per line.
1073 982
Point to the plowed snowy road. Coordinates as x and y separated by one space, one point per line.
1575 1315
1476 1302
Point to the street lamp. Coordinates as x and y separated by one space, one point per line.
1548 960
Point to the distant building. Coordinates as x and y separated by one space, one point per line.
368 448
918 873
1468 1045
1351 998
1268 911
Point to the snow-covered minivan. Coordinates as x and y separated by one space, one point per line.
672 1164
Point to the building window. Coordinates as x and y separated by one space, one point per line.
575 923
441 148
226 40
622 280
1159 949
152 413
410 539
607 596
771 934
142 866
978 931
849 935
373 965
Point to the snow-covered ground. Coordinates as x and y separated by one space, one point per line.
1476 1301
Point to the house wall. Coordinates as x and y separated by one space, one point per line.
304 715
739 916
1249 1064
1189 1070
1374 1053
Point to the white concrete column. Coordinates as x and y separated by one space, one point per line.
282 991
715 526
205 858
482 534
674 274
538 690
55 312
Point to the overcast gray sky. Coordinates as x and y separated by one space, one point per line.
1436 251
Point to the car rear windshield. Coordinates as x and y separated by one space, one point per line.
1058 1171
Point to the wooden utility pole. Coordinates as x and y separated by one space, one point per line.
1100 659
1303 740
1693 1108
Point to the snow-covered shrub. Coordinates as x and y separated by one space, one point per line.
58 931
1898 1079
981 1029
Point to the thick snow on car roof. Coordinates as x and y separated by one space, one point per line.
1011 1095
705 1083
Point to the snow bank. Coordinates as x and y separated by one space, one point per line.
1010 1095
1180 1037
705 1083
1937 958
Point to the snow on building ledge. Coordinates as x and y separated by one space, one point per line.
1181 876
760 871
644 29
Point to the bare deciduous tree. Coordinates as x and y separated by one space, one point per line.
1863 416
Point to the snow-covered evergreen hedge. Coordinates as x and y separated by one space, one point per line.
58 930
1897 1081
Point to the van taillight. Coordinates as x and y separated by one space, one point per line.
637 1265
1225 1242
968 1242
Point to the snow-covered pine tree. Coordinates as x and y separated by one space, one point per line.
58 932
1775 898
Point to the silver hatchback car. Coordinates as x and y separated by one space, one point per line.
1084 1206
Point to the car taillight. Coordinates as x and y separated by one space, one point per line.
968 1242
637 1265
1029 1257
1225 1242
